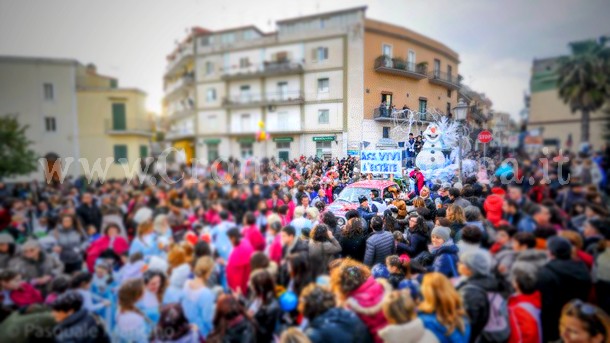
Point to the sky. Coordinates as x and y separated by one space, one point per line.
129 39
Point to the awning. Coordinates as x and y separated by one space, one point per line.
212 141
246 140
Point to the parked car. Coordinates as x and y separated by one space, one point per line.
348 198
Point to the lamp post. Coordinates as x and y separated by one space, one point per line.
460 112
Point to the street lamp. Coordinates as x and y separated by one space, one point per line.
460 112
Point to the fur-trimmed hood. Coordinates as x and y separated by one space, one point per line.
411 332
368 298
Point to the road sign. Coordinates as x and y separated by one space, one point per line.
485 136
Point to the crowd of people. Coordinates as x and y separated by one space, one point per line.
257 256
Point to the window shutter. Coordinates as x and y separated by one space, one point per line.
119 122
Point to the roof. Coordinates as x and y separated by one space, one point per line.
376 184
40 60
239 28
400 32
545 64
320 15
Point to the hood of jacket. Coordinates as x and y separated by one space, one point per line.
338 316
534 299
487 282
493 203
411 332
533 256
570 269
446 248
368 298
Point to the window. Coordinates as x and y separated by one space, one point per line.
212 121
49 124
322 54
48 91
411 59
210 95
448 108
244 93
323 149
449 71
323 117
323 85
209 68
244 62
212 152
119 120
207 40
449 93
386 132
437 67
143 151
281 56
246 150
245 122
283 121
386 50
227 38
120 154
282 90
423 105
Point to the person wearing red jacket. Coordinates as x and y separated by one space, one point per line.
111 240
20 293
418 177
524 306
238 264
252 233
493 206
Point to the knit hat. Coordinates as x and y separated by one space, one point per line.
443 232
142 215
362 199
559 247
445 186
30 244
380 271
477 261
6 238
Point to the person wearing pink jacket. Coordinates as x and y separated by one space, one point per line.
238 265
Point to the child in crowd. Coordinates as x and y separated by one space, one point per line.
93 234
59 286
104 287
133 267
524 306
399 268
16 292
404 326
81 282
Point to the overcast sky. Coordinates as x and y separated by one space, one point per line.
129 39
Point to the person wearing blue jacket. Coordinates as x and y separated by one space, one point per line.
417 241
444 252
198 301
364 210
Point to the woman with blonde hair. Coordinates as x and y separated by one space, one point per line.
162 230
198 300
457 218
404 326
294 335
582 322
145 241
442 310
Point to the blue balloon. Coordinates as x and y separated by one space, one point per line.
288 301
380 271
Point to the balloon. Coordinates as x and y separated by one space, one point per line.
288 301
261 124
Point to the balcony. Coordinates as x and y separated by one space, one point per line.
187 80
182 108
397 66
386 116
177 133
140 128
184 54
266 99
446 80
262 70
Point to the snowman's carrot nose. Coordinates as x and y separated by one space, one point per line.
433 129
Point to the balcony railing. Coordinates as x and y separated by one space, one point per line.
258 99
398 66
185 52
263 69
444 79
179 132
187 79
141 128
384 115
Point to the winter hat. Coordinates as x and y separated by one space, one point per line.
142 215
362 199
560 247
380 271
6 238
30 244
498 191
445 186
476 261
443 232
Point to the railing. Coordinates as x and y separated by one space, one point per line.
265 99
185 51
137 128
175 132
445 78
186 79
265 68
399 66
383 114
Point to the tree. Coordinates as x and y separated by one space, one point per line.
15 156
584 80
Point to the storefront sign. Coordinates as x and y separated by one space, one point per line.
283 139
246 140
324 138
212 141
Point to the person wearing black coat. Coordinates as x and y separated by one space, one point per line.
417 241
328 323
352 239
562 279
89 213
75 323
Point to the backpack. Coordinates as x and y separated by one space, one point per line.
497 329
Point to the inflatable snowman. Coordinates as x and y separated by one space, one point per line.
431 155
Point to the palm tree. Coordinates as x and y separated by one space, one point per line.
584 79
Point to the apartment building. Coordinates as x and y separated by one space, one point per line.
71 111
315 83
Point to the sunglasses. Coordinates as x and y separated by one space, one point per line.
584 308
